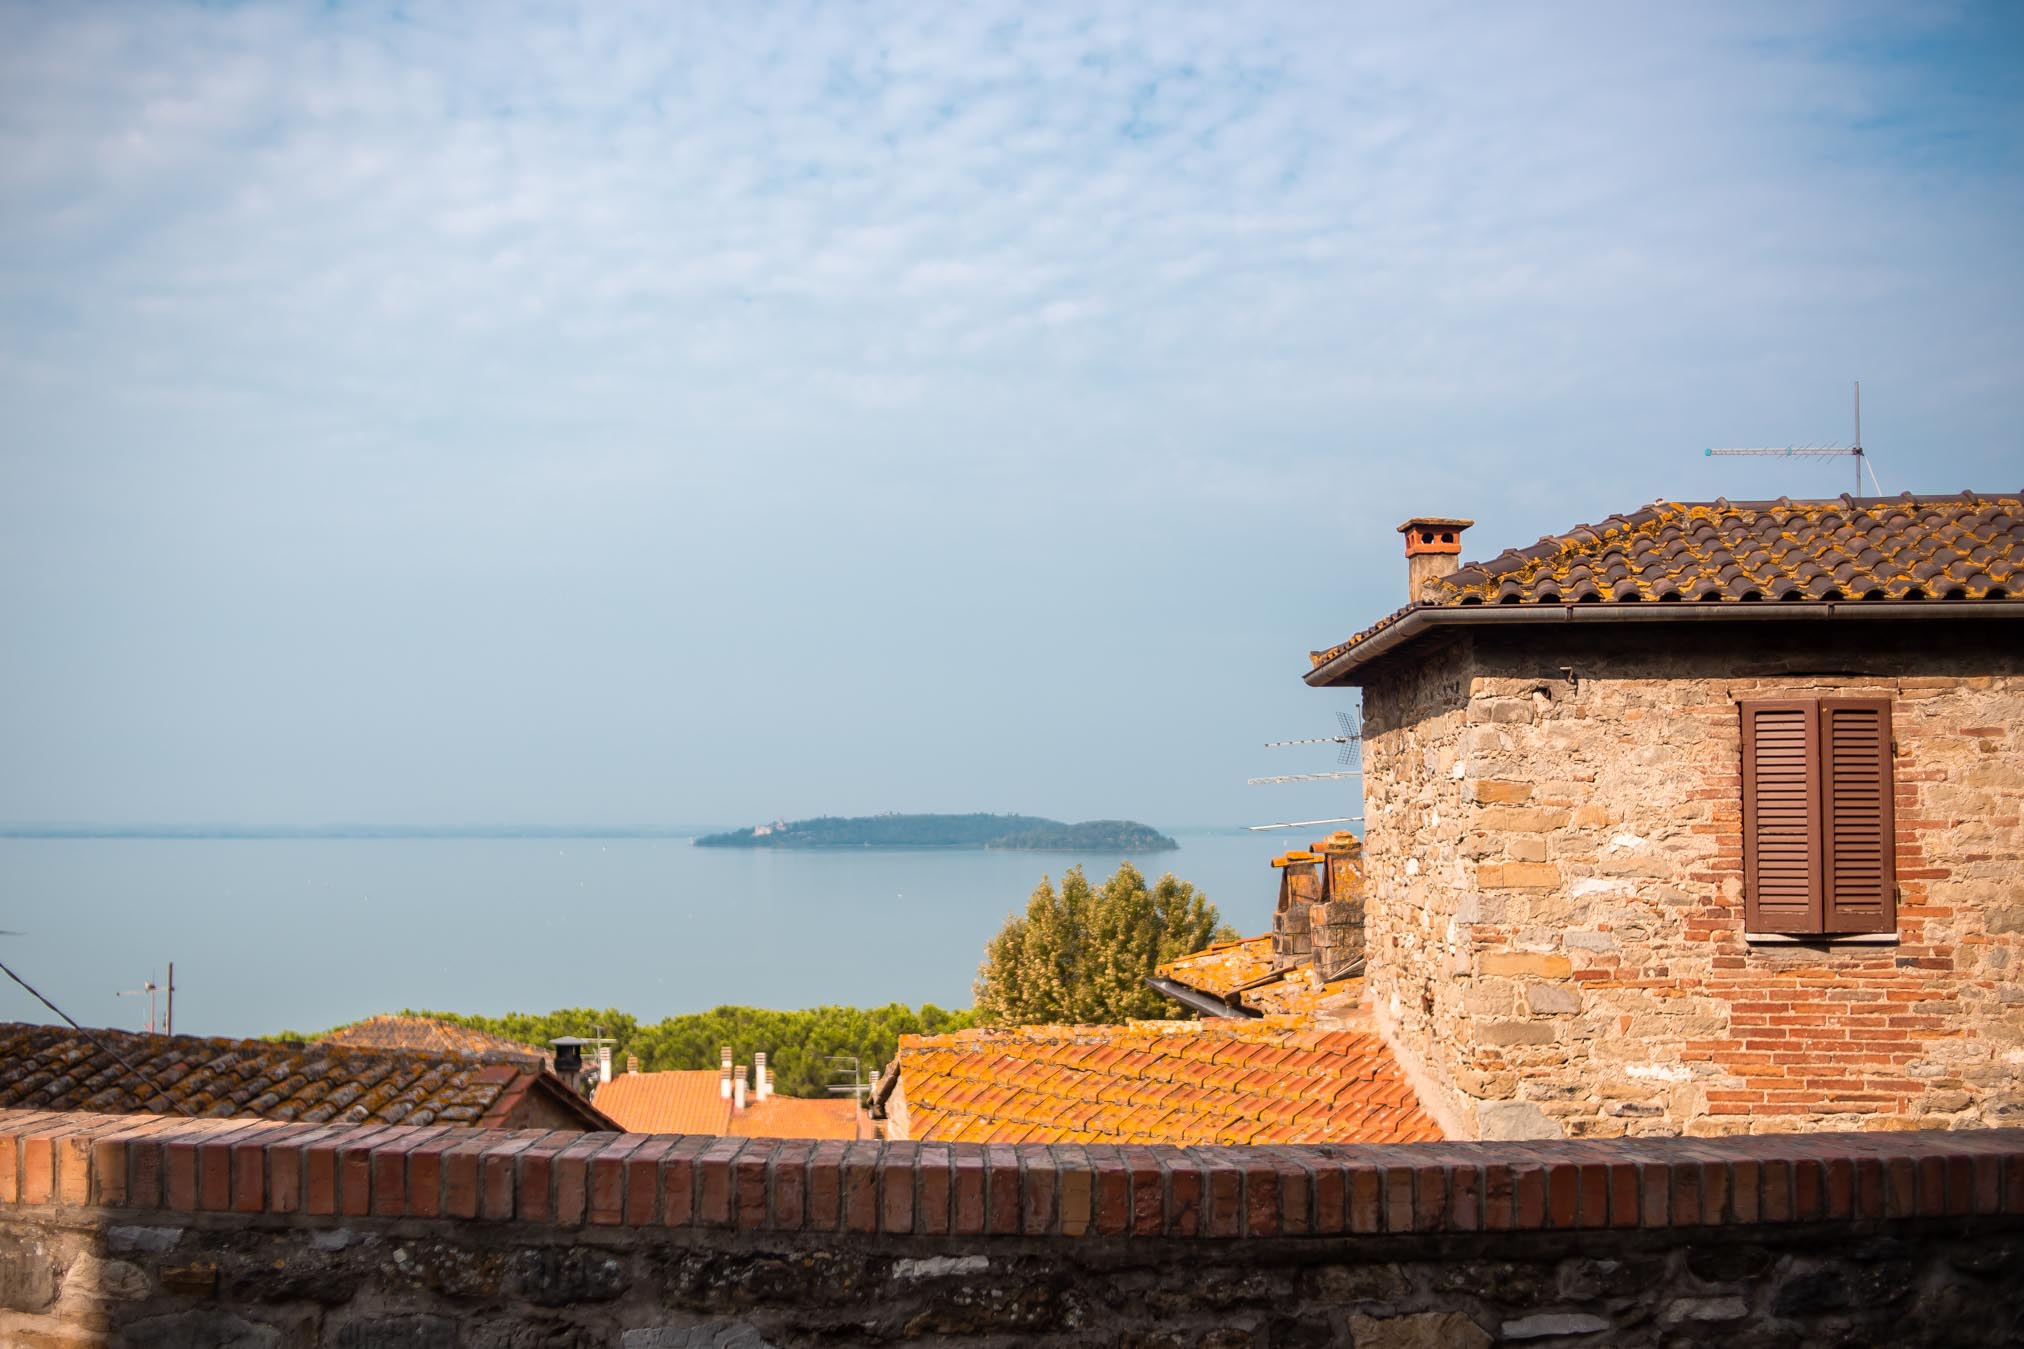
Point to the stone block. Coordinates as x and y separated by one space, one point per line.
1520 819
1418 1330
1555 1324
208 1326
27 1275
1525 849
399 1332
1513 1120
708 1335
1496 792
1521 964
1516 1033
1551 999
1518 876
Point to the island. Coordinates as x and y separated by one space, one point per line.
1021 833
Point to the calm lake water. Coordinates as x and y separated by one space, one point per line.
303 934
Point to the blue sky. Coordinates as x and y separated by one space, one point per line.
457 413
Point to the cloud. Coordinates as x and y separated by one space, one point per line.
363 300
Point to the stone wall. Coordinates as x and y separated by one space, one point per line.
1555 921
153 1233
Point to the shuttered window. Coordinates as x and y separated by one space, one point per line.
1818 834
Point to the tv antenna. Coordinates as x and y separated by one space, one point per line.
857 1087
1350 754
147 989
1854 451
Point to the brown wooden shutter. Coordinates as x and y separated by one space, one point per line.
1781 815
1858 832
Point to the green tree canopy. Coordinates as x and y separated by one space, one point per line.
1081 954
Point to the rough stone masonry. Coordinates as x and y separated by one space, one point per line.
148 1233
1555 918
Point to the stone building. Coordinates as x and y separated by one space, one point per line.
1705 819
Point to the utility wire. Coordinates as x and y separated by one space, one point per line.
138 1074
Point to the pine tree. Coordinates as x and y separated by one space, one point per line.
1082 955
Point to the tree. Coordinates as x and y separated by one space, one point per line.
1082 955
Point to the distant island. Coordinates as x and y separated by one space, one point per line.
1020 833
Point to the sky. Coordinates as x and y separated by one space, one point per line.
708 413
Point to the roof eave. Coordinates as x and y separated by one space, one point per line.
1348 667
1205 1003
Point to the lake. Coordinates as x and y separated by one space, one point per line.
304 934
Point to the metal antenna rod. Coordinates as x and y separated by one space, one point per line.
138 1075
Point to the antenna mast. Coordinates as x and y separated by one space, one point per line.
1815 451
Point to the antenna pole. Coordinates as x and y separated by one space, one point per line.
170 1029
1858 437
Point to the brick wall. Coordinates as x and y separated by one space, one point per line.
1556 913
116 1230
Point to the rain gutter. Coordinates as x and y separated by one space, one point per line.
1344 667
1205 1003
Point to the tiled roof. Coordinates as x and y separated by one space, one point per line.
1224 968
1241 974
692 1102
1275 1080
57 1068
426 1034
666 1103
1949 549
797 1117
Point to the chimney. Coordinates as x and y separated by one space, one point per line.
738 1091
1433 549
724 1074
604 1063
632 1065
568 1057
759 1075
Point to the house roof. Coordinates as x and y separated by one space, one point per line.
1834 557
57 1068
692 1102
1242 975
1274 1080
427 1034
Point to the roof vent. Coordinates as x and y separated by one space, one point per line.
1433 550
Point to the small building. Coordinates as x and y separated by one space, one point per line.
702 1101
432 1035
1708 818
119 1072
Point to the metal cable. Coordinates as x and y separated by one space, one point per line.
137 1073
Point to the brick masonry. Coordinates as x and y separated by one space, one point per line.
115 1230
1555 913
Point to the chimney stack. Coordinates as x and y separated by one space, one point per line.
724 1074
604 1063
738 1091
632 1064
1433 549
760 1084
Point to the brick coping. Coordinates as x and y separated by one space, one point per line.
578 1180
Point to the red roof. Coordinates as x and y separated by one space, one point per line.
692 1102
1273 1080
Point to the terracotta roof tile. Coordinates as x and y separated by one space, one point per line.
427 1034
1200 1082
692 1102
57 1068
1948 549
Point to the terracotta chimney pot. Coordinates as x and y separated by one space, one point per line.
1433 549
